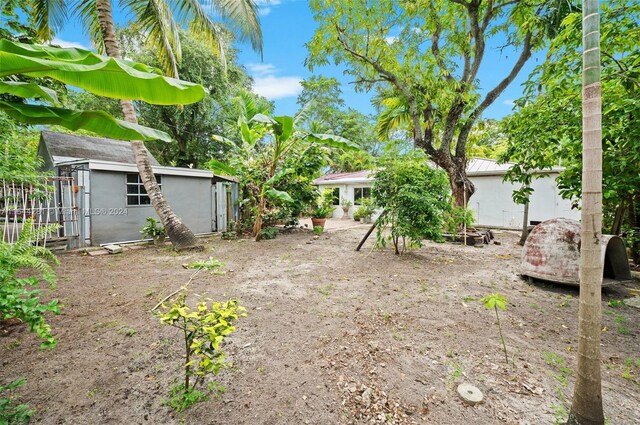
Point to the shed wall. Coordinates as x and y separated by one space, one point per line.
112 220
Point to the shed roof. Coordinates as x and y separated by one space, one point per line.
67 147
157 169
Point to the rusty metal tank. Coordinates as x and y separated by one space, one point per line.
552 253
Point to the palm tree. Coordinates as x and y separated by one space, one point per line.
586 408
157 19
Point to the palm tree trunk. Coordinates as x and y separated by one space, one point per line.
586 408
180 235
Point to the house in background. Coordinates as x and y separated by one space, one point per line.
110 203
491 203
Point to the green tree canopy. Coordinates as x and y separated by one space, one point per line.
546 129
428 54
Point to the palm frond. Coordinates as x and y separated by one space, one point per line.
394 115
49 17
88 13
240 15
155 19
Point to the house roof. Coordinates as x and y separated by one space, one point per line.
68 147
365 176
475 167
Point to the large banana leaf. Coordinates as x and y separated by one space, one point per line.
28 90
279 195
333 140
221 168
100 75
98 122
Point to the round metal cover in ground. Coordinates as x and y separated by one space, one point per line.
470 394
552 253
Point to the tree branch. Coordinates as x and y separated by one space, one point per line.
389 77
492 95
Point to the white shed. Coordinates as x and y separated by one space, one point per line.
491 203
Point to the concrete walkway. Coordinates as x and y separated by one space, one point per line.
333 224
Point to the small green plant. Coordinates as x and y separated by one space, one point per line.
10 412
457 218
181 399
317 230
365 210
229 236
560 413
16 301
456 372
323 207
212 265
127 331
153 229
269 233
494 302
621 323
204 330
616 303
326 290
559 362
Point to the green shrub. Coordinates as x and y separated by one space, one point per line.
415 199
204 330
16 300
10 412
317 230
269 233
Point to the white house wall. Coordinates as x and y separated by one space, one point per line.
493 205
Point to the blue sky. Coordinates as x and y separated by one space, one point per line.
287 25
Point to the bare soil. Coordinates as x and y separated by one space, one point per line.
332 336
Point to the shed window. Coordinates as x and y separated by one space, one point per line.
359 193
136 193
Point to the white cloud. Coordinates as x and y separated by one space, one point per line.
264 6
64 43
391 39
261 69
509 102
267 83
273 87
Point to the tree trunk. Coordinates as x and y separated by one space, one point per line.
180 235
525 225
257 227
461 187
586 408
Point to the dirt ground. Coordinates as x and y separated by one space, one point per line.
332 336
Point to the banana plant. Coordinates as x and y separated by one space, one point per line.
269 140
109 77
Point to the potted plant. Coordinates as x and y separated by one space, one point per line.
364 212
153 229
345 204
322 209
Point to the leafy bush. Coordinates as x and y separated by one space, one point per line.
415 198
204 330
323 207
365 210
10 412
16 301
458 217
269 233
153 229
317 230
